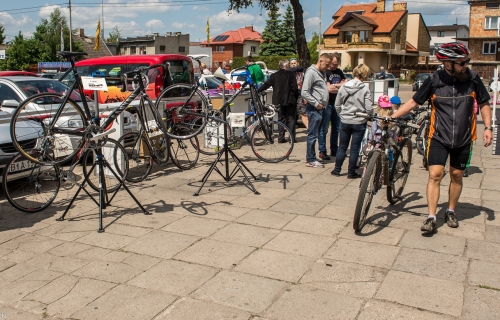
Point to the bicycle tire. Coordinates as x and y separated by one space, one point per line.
179 121
399 172
420 140
36 144
185 152
272 151
116 156
259 112
369 186
24 191
210 141
140 161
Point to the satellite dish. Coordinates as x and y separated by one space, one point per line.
220 75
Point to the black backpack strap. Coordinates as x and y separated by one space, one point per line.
435 83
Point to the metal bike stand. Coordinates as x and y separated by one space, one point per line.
104 199
240 166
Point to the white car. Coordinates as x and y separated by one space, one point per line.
236 76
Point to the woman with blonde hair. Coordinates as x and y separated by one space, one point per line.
204 69
354 96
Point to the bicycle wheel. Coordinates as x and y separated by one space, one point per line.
275 149
399 172
182 104
31 136
421 138
211 139
116 156
28 186
369 186
140 160
185 153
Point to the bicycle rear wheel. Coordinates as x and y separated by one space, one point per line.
399 172
421 138
31 136
140 160
185 152
211 138
116 156
369 187
275 149
182 104
28 186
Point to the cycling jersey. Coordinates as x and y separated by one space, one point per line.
453 122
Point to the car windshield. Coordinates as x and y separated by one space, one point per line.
212 83
33 87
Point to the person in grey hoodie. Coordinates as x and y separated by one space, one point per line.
315 92
354 96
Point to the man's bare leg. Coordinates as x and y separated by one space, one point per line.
456 184
436 174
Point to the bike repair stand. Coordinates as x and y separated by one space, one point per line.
240 166
104 200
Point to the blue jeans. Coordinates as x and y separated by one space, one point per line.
314 117
325 123
353 133
334 135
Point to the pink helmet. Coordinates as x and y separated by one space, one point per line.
384 101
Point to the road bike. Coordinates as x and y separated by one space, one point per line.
422 137
382 170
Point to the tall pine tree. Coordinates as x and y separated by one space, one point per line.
272 35
288 32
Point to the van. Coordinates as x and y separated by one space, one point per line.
176 69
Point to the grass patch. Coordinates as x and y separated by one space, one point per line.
488 287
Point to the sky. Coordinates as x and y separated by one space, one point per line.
141 17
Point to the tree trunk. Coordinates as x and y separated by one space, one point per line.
300 32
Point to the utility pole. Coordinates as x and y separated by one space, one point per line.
70 29
319 34
102 11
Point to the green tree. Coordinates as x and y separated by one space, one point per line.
312 46
288 32
272 35
298 23
2 30
114 35
21 53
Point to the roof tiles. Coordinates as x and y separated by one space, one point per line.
238 36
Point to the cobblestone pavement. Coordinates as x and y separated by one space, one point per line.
288 253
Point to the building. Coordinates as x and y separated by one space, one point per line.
171 42
484 36
88 45
369 34
446 34
234 43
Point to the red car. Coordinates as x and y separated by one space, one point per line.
17 73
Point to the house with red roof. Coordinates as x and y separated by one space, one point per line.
234 43
369 34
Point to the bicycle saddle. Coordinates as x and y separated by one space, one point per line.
69 54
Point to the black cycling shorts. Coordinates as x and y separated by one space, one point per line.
438 155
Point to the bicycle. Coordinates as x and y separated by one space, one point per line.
422 137
379 171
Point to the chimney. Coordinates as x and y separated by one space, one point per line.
178 33
169 33
156 34
399 6
80 32
380 6
249 28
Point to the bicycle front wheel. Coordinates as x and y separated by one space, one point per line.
116 157
278 147
140 160
421 139
30 133
399 172
185 152
182 104
28 186
368 188
211 139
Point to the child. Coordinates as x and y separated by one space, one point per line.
396 103
385 109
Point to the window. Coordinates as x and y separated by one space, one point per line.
440 33
347 36
492 5
7 93
489 47
398 37
253 49
219 48
162 49
363 36
182 49
142 49
490 23
132 49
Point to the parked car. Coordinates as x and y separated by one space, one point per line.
17 73
348 76
387 76
47 75
419 79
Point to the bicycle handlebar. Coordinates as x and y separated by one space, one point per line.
399 122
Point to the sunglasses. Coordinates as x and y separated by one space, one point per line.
293 59
463 63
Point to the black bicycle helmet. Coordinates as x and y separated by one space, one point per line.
452 51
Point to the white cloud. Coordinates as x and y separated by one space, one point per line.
13 26
181 25
154 24
312 24
200 8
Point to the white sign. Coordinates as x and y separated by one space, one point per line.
237 120
90 83
2 54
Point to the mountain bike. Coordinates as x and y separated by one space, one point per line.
380 170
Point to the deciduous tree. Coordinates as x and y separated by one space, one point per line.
114 35
2 37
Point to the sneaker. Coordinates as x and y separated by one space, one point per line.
451 219
429 226
324 156
335 173
315 164
354 176
466 173
282 141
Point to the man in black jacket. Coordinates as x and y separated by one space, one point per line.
285 93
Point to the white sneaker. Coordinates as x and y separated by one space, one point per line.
315 164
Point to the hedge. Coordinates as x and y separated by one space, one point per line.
272 62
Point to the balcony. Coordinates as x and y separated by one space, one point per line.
367 46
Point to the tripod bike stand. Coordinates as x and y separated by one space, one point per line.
104 200
240 166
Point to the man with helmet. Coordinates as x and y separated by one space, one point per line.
453 124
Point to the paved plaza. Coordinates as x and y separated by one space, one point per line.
288 253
